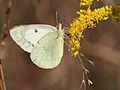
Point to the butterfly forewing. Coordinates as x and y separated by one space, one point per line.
26 36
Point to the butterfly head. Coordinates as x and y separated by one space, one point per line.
60 31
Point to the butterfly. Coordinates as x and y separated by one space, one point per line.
45 43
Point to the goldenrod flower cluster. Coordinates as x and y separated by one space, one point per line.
87 19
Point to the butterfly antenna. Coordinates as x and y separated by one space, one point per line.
59 25
56 18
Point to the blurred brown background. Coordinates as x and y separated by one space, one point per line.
100 45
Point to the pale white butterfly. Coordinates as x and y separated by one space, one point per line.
44 43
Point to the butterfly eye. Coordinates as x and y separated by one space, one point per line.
36 30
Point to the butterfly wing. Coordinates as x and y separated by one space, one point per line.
48 51
26 36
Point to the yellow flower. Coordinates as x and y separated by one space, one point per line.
86 2
87 19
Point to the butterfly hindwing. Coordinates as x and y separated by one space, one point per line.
48 51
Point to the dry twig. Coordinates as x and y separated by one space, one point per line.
5 30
